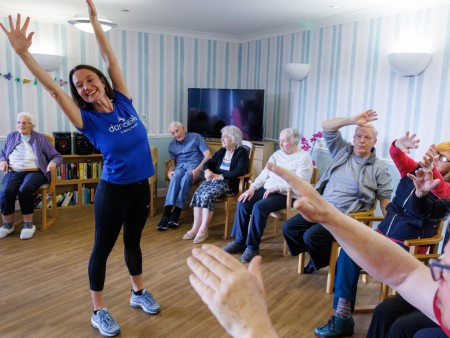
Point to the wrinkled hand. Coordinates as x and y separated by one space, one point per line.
407 142
365 117
233 294
430 158
271 191
310 204
247 195
17 35
423 181
209 175
51 165
4 166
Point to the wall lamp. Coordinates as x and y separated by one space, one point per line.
297 71
409 64
48 61
83 23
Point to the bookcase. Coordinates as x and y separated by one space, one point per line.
77 179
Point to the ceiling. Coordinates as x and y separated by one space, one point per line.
234 19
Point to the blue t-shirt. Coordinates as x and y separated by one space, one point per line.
188 154
122 139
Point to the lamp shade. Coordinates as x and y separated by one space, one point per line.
84 24
297 71
48 61
409 64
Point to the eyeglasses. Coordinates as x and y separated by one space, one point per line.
366 138
23 123
437 268
443 158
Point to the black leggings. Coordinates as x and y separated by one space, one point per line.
117 205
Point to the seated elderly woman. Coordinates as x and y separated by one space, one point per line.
267 194
27 159
222 173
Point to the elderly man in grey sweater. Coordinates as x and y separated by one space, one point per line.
353 181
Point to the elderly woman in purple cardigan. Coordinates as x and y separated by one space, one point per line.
26 159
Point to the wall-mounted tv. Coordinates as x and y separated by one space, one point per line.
210 109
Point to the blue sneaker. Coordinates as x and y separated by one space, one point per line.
145 302
336 327
105 323
248 255
234 247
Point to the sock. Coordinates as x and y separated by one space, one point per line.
177 211
8 224
137 293
167 211
344 308
28 224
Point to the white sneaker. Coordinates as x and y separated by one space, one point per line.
27 232
5 231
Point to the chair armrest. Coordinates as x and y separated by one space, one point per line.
242 182
363 218
53 179
424 241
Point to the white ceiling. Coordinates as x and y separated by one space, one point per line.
234 19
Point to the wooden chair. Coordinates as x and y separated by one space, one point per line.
45 190
288 212
335 250
243 182
423 249
153 181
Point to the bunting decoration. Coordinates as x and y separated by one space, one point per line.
8 76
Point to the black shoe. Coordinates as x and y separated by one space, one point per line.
309 268
163 224
174 221
336 327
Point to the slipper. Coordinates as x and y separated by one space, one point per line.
188 235
200 239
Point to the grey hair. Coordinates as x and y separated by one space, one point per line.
235 134
29 115
175 124
293 134
370 126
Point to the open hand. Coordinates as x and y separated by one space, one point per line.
407 142
430 157
17 35
233 294
423 181
365 117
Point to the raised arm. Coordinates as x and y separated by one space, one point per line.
376 254
114 71
21 42
360 120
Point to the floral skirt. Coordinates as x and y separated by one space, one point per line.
207 193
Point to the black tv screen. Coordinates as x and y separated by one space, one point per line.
210 109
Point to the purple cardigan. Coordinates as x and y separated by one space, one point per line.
42 149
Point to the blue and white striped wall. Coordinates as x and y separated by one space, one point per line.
349 73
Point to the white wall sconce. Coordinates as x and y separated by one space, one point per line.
84 24
297 71
48 61
409 64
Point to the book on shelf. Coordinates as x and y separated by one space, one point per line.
67 199
60 199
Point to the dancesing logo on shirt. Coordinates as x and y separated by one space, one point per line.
124 126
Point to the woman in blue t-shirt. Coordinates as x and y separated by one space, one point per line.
105 114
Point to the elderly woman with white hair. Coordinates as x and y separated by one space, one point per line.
26 159
222 173
267 194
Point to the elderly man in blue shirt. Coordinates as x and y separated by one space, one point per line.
188 153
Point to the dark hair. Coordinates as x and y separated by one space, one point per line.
73 90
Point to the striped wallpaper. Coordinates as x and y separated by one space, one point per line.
349 73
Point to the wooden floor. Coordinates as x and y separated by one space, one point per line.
44 290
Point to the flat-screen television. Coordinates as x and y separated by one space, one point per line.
210 109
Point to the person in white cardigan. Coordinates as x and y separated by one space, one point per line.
267 194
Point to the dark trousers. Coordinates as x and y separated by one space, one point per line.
20 184
302 235
346 281
117 205
396 318
259 210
